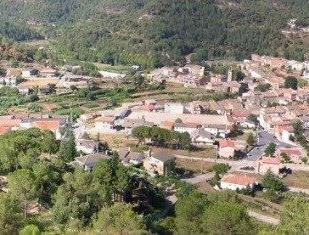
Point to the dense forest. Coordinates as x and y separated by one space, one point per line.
154 32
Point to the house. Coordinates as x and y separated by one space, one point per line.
129 157
52 124
157 118
161 164
129 123
272 164
227 148
14 72
294 154
111 75
248 124
4 129
9 122
203 137
185 127
287 134
30 72
238 181
105 124
216 129
87 162
189 75
87 146
48 72
8 81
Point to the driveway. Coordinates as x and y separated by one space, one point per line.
263 218
199 178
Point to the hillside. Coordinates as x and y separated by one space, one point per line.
156 32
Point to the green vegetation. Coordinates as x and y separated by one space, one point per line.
67 150
116 199
10 96
251 139
300 137
76 199
274 187
201 214
294 217
291 82
270 149
151 33
221 168
263 87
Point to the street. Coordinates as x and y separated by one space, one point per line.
264 138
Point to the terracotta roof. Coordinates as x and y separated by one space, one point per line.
48 70
186 125
47 124
167 125
226 143
10 122
291 151
14 72
4 129
107 119
239 178
271 160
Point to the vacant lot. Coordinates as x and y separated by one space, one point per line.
195 166
298 179
114 140
208 152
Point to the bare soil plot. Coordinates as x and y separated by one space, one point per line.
114 140
298 179
208 152
196 166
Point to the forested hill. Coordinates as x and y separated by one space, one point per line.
156 32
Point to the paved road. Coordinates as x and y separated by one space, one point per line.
263 218
199 178
264 138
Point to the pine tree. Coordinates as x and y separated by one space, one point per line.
67 149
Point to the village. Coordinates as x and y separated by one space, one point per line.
252 131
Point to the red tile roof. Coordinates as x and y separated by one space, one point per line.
167 125
10 122
271 160
226 143
4 129
47 124
239 178
291 151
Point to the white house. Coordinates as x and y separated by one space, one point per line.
104 124
203 137
87 146
87 162
8 81
107 74
185 127
238 181
248 124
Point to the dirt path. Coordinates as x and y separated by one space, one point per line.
263 218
